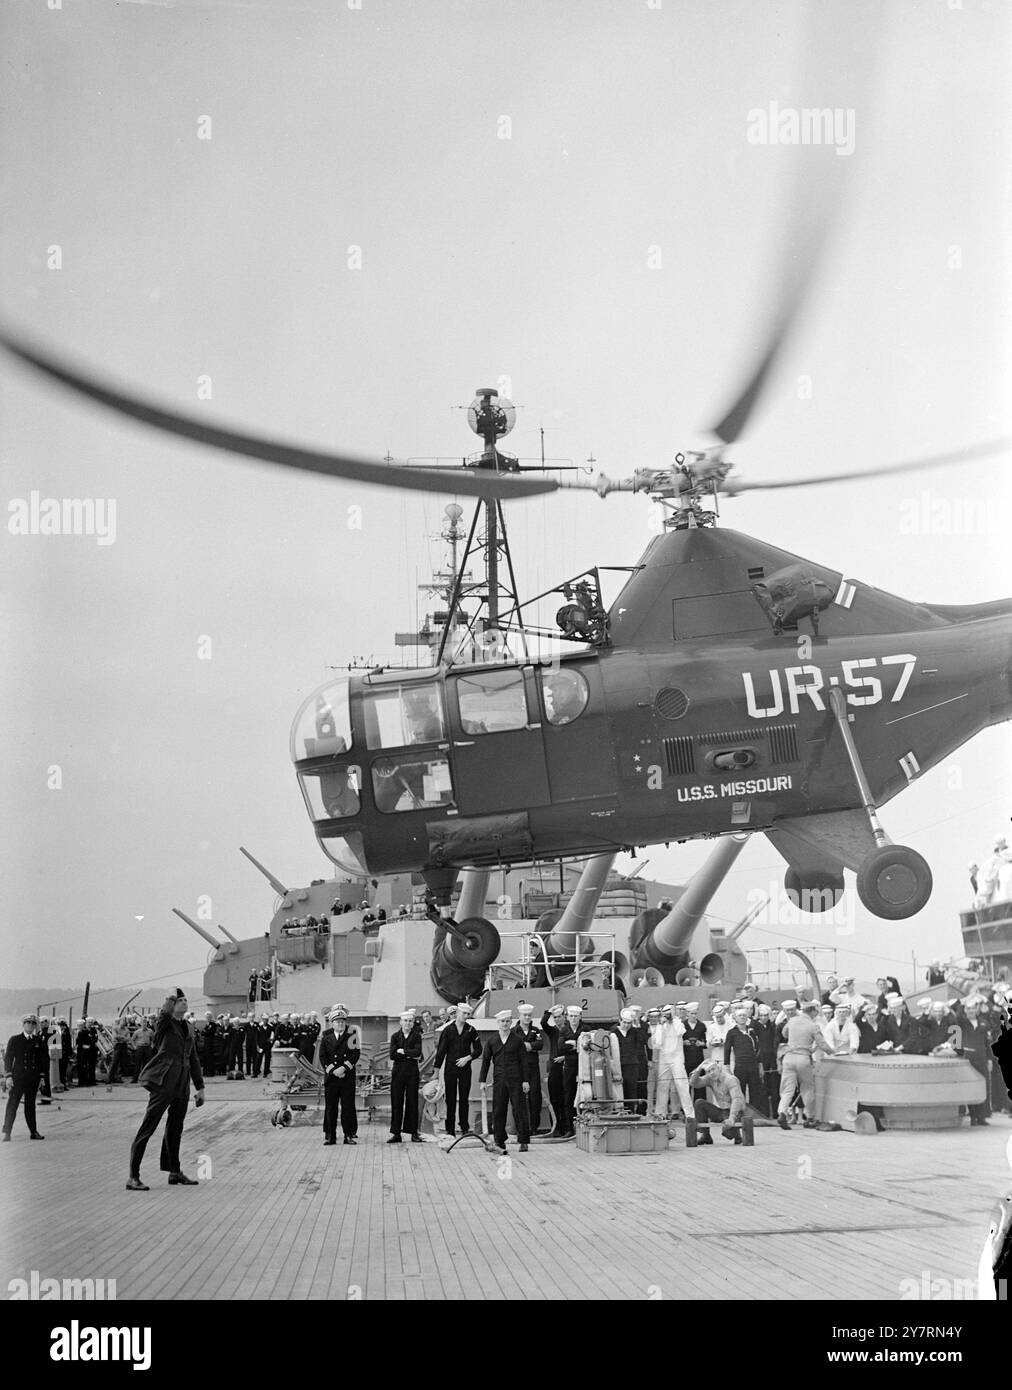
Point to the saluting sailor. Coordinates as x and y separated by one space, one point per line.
533 1043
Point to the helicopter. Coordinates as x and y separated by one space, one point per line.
731 688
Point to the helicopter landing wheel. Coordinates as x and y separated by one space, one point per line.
474 945
894 882
813 893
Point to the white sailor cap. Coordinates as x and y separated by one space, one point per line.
574 1009
464 1008
793 1003
921 1002
407 1015
504 1013
525 1008
627 1015
721 1004
692 1006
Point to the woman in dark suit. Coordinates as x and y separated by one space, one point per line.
166 1078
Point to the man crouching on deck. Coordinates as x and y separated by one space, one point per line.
728 1102
166 1078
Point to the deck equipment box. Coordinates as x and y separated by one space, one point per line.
621 1134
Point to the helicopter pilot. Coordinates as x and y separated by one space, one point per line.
564 697
422 720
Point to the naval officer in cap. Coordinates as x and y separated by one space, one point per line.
339 1054
458 1046
504 1053
24 1060
405 1051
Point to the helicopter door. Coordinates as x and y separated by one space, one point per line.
498 758
578 742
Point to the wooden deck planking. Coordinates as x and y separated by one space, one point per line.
284 1218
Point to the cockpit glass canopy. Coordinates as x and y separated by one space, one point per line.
331 793
345 851
397 716
322 726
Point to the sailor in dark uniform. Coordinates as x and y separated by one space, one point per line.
339 1054
405 1051
568 1034
24 1063
458 1046
87 1053
694 1044
265 1043
551 1022
533 1043
974 1037
504 1053
631 1051
251 1045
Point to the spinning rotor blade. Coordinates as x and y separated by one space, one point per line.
473 482
732 424
732 486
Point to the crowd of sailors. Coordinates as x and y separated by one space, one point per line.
673 1064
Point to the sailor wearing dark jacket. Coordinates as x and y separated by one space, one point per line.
504 1053
533 1043
24 1060
458 1046
339 1054
569 1032
167 1078
632 1049
742 1041
405 1051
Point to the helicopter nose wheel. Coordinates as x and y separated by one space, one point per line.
894 882
473 944
813 893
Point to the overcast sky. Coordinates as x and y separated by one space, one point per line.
615 258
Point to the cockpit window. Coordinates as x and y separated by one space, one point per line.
492 701
397 716
345 850
565 694
323 723
411 782
332 793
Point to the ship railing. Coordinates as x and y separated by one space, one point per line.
778 968
535 965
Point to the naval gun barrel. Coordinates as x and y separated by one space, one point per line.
198 929
671 937
275 883
579 911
